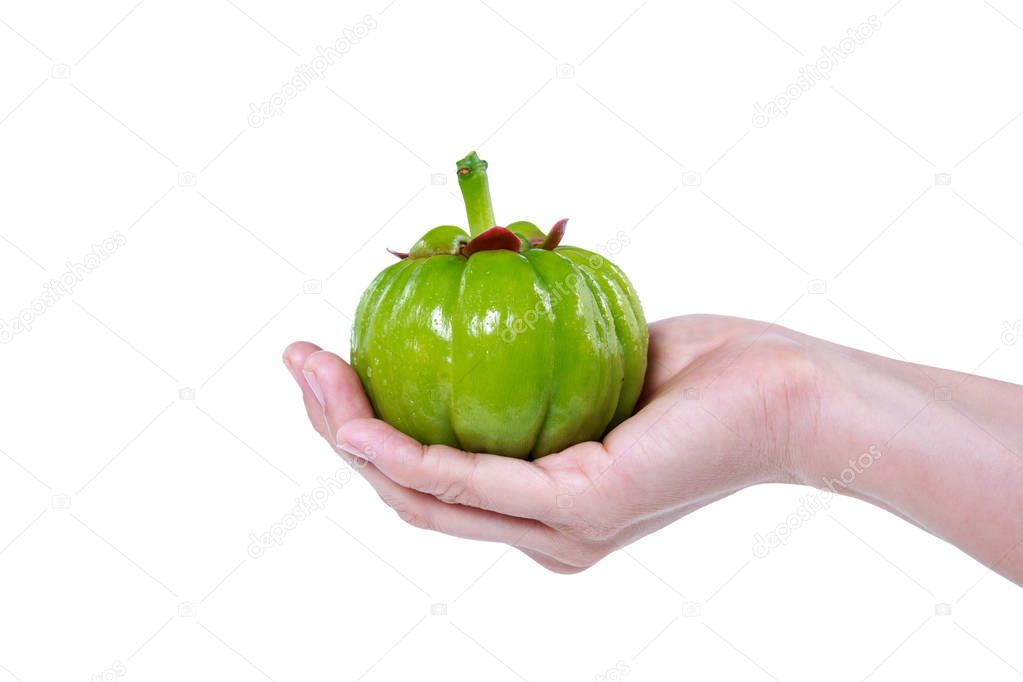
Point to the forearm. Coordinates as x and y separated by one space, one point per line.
940 448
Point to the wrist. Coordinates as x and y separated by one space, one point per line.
790 379
862 402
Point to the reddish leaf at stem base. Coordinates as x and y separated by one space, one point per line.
555 235
491 240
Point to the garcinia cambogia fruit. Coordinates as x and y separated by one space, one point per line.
500 340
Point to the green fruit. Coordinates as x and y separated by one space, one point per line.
501 341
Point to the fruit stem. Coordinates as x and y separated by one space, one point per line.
472 180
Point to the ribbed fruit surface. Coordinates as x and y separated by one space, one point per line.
517 354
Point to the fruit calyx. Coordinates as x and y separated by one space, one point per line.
484 233
553 238
493 239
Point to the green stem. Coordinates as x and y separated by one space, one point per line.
472 180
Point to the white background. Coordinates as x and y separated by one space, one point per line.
127 510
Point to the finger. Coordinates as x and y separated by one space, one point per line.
502 484
295 357
427 512
551 564
334 378
339 389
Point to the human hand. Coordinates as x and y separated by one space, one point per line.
720 411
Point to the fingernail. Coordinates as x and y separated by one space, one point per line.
314 385
351 450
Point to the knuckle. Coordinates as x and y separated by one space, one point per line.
570 554
408 513
452 491
457 489
391 500
581 555
414 518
